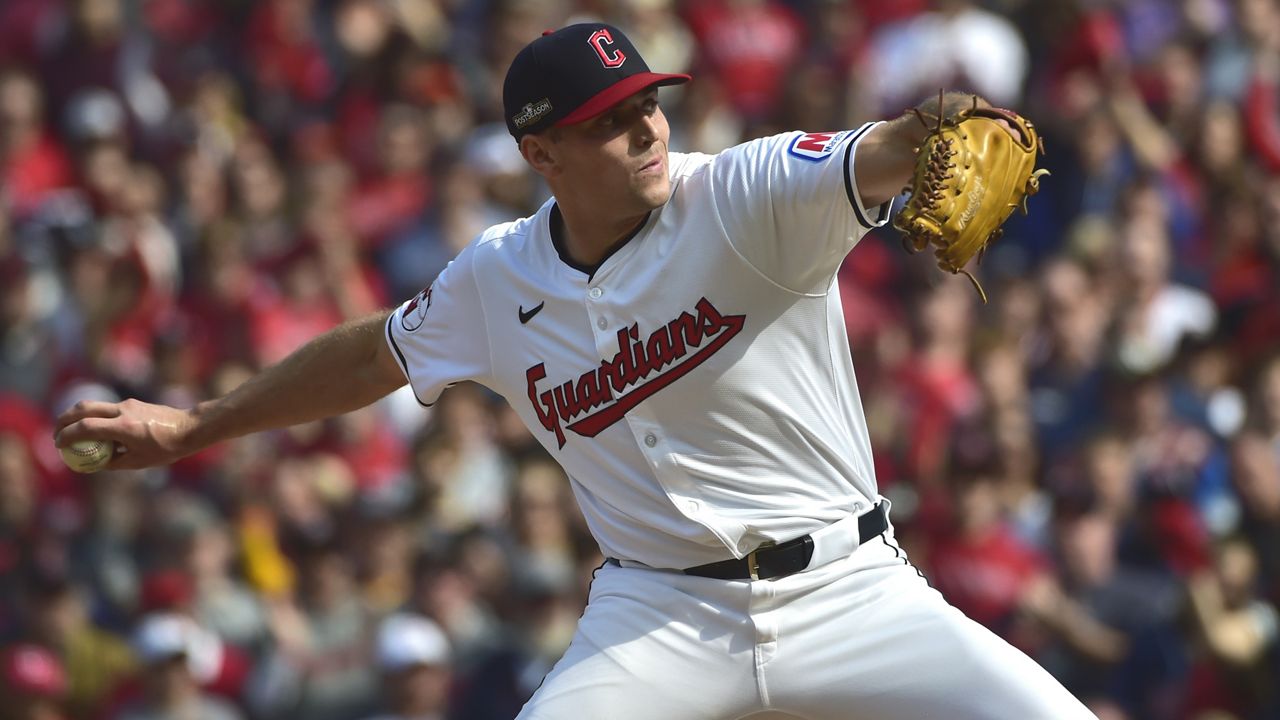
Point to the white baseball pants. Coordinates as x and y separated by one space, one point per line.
862 638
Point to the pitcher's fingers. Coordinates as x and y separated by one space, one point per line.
94 428
125 460
86 409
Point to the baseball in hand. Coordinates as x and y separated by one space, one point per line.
88 456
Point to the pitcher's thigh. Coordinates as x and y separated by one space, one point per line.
902 653
647 651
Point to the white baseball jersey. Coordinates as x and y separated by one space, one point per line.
697 387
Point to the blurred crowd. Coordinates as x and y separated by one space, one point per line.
190 189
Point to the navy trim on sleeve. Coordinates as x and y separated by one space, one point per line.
885 208
848 182
404 365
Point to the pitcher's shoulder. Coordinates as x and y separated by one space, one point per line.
685 164
514 236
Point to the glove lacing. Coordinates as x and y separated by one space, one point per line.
937 173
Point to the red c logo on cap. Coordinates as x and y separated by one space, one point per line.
598 40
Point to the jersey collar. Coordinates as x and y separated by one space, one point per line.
555 227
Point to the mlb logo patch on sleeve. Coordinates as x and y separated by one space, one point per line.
816 146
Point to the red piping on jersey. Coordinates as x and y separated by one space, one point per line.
634 361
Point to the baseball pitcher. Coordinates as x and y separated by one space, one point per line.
669 328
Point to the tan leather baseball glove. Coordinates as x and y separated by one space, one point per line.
971 172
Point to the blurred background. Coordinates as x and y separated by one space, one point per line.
190 189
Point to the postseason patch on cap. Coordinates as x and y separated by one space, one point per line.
816 145
532 113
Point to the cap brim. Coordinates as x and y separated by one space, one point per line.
618 92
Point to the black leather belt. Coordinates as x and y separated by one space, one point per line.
773 561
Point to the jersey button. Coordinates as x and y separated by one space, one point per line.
595 293
650 440
602 323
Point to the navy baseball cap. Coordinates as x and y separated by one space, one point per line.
574 74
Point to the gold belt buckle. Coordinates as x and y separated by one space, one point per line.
753 565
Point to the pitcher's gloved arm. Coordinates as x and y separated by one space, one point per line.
886 157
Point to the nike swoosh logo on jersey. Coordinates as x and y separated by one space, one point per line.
525 317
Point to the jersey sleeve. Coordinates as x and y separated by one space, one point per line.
439 337
790 205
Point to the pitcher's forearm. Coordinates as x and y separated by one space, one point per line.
345 369
886 157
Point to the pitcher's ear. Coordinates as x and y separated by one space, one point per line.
541 152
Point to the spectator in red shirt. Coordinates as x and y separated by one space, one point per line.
305 304
398 192
936 385
287 60
32 162
749 45
978 563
